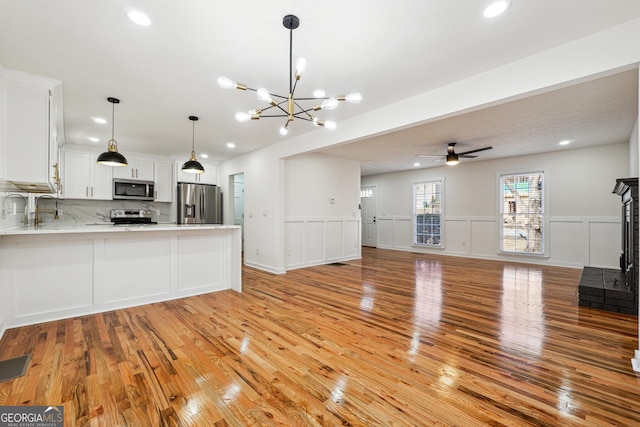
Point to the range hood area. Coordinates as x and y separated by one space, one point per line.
26 187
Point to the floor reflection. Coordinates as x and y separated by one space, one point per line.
522 317
427 309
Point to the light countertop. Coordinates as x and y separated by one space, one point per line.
71 228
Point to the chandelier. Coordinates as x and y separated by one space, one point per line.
289 106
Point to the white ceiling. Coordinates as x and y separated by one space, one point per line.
388 51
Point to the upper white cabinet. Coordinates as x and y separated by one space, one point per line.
164 183
33 124
83 178
141 169
210 175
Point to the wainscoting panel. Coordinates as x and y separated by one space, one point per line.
456 236
567 242
313 238
313 241
484 238
573 241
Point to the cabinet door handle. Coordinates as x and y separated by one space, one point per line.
91 191
86 191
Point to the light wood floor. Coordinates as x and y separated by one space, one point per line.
396 339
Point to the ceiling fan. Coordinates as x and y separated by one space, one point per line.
453 157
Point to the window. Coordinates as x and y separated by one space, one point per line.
427 213
522 213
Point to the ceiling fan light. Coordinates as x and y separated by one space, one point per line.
452 159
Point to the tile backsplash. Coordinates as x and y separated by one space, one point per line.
14 206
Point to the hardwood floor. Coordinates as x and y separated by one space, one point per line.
394 339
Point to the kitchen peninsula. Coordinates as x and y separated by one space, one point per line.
59 271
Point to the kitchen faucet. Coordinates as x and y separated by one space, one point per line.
11 195
36 219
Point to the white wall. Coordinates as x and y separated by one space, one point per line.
584 226
322 215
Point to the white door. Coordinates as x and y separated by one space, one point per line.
369 203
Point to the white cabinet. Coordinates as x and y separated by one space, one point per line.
141 169
163 180
83 178
210 175
33 130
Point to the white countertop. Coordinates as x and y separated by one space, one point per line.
70 228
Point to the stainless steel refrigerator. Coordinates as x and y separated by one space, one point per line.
199 204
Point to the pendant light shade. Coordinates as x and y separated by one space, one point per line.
192 165
111 157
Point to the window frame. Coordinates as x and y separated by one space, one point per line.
544 214
414 214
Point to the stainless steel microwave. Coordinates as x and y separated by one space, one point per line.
129 189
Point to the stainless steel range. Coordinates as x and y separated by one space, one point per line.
131 216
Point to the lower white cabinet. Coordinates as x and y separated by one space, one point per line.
54 274
83 178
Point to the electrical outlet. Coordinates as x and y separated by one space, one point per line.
463 244
257 251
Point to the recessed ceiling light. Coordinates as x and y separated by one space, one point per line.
319 93
416 164
204 156
565 142
231 145
138 17
496 8
99 120
94 139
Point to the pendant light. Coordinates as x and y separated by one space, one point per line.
192 165
111 157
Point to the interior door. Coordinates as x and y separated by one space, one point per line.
369 203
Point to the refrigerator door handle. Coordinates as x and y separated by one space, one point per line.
202 206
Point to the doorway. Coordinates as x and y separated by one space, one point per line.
369 204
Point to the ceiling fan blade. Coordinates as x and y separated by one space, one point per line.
475 151
466 156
